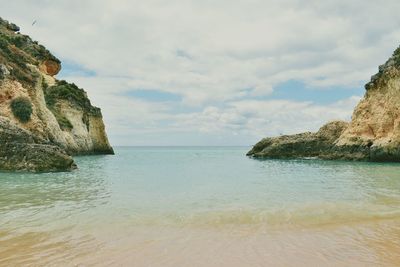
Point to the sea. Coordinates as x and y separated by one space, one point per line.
201 206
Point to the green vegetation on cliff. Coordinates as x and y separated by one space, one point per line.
16 61
18 50
64 91
70 92
22 108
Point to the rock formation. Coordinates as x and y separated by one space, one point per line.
21 150
42 120
372 135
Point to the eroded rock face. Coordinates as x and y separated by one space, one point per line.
372 135
3 72
20 150
50 67
304 145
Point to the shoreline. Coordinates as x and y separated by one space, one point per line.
371 243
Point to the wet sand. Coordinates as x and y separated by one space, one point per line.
358 244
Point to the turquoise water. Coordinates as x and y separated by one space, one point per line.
182 182
199 187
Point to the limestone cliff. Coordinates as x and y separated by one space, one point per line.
55 112
372 135
376 119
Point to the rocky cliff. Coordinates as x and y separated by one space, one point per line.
21 150
57 116
372 135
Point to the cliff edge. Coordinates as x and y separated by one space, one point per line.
42 120
372 135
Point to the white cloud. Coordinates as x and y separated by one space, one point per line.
267 117
216 55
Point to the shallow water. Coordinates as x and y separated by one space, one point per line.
191 206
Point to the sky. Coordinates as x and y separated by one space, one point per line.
214 72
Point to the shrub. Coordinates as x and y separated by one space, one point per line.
21 107
66 91
71 93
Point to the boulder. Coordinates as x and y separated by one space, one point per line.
20 150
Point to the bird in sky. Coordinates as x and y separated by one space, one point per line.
34 22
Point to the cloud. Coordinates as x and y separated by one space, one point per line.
264 117
215 57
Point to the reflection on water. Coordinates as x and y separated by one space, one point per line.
179 206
